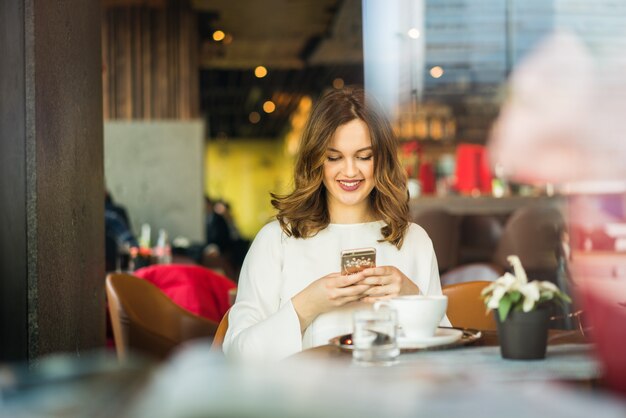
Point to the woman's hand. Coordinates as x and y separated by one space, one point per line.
386 282
327 293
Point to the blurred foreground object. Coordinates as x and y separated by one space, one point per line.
199 383
605 301
563 119
95 384
562 125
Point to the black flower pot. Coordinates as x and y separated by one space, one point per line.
524 335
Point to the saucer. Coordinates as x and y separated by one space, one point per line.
468 336
442 336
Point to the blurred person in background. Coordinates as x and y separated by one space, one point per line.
350 192
223 208
238 245
118 234
218 246
217 231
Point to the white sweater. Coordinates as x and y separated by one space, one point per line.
263 324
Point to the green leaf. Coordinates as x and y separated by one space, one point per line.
515 296
565 298
562 299
504 307
545 298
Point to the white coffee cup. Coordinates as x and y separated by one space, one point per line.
418 315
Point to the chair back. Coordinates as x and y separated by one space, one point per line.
533 234
466 308
194 288
468 273
443 229
144 319
218 339
479 237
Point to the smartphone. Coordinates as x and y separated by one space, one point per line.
353 261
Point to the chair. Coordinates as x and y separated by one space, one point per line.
479 237
146 320
533 234
218 339
466 309
468 273
443 229
194 288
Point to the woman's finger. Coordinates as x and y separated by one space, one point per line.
348 299
374 281
376 271
356 290
349 279
378 291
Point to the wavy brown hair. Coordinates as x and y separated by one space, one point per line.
304 212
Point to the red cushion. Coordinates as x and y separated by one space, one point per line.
194 288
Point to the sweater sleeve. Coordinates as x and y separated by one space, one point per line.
261 326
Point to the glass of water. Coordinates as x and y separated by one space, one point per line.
374 336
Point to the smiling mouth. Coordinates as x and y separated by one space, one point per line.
349 185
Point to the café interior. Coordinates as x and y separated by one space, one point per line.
187 114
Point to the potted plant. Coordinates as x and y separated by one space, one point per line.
521 311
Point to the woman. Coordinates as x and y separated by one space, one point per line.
350 192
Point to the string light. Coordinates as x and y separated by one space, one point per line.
218 35
269 106
260 71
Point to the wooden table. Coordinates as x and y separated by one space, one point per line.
569 358
488 339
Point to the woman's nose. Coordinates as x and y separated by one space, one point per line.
350 169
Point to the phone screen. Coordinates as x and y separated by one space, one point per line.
353 261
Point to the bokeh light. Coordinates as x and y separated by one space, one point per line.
260 71
436 72
218 35
269 106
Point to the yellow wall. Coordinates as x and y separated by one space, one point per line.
243 173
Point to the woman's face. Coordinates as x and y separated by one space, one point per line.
349 168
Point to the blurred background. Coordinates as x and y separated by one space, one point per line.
509 115
208 97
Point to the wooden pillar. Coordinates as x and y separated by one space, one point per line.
150 60
51 178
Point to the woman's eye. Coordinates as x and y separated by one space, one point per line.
333 158
365 157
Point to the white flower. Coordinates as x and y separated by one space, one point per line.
549 287
499 288
530 292
508 281
497 294
520 273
